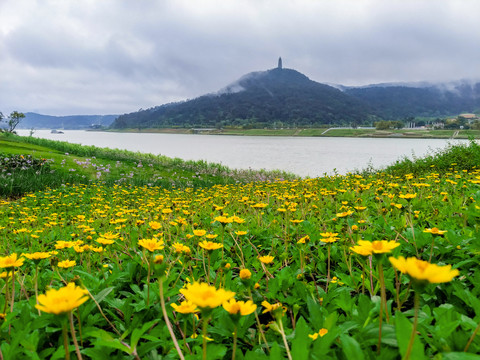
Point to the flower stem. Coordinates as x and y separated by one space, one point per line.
36 286
259 325
472 337
13 289
287 349
65 340
383 304
234 342
167 321
75 342
148 283
328 267
414 329
204 335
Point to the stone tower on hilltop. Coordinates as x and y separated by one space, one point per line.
279 63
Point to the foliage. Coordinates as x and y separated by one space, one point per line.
455 156
12 121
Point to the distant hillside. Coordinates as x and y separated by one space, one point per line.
73 122
283 97
396 101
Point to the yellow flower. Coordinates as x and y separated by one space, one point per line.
435 231
62 300
11 261
209 245
245 274
270 307
199 232
155 225
296 221
328 234
244 308
109 235
366 248
180 248
151 244
206 296
267 259
322 332
345 213
37 255
224 219
260 205
329 239
423 270
303 239
104 241
67 263
211 236
185 307
158 259
408 196
240 233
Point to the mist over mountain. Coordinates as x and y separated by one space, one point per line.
277 96
285 97
398 101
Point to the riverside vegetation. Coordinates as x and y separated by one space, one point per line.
100 264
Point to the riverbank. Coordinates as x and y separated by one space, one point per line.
29 164
320 132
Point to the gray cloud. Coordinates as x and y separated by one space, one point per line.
116 56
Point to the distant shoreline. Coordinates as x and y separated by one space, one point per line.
318 132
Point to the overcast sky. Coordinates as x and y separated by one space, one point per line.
65 57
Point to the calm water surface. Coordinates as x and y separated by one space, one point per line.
302 156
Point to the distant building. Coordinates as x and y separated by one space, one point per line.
279 63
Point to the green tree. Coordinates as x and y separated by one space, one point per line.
13 120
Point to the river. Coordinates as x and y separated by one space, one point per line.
304 156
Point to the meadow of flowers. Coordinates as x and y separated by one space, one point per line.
343 267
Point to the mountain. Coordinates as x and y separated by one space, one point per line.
72 122
399 101
284 97
278 97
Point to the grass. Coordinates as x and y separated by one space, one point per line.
334 132
76 164
458 156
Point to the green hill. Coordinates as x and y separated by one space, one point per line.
279 97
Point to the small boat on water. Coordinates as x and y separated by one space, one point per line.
56 132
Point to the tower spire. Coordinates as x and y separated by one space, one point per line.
279 63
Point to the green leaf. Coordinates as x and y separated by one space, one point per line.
216 351
459 356
301 341
351 348
404 330
275 352
103 294
137 333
